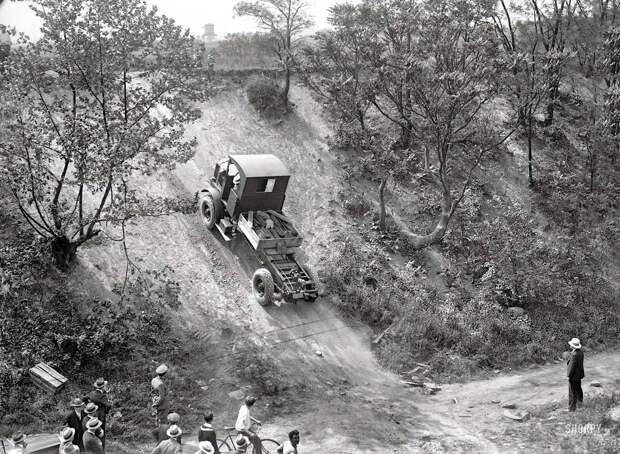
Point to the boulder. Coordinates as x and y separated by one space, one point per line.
517 415
613 415
516 311
509 405
596 384
237 395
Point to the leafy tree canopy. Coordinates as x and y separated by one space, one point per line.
103 95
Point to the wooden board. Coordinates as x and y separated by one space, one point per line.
47 378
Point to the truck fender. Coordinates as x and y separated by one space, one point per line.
214 193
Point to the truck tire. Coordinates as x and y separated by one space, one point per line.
311 298
263 287
210 211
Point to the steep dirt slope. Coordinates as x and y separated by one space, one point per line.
358 406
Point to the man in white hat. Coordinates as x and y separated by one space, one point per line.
160 433
92 443
575 374
172 444
66 440
99 396
241 444
206 447
70 449
19 443
74 420
90 412
159 394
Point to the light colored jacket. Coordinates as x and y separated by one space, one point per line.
170 446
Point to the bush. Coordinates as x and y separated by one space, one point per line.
265 96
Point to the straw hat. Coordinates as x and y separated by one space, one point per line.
205 448
174 431
241 441
173 418
18 437
67 434
77 402
91 408
100 383
161 369
574 343
93 424
71 449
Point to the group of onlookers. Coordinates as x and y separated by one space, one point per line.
86 423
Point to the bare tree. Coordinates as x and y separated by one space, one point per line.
285 20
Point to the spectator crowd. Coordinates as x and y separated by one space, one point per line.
85 426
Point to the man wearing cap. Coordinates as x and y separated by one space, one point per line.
99 397
207 432
66 440
90 412
206 447
18 440
290 445
92 443
172 445
159 394
74 421
160 433
244 424
575 374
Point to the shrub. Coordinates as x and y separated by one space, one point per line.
264 95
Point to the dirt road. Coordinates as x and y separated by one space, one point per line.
363 409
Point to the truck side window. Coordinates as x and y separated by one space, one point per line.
266 185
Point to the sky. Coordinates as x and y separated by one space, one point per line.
192 14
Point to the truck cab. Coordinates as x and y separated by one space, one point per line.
246 194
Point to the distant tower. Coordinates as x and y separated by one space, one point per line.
208 35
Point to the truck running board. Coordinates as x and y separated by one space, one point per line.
221 230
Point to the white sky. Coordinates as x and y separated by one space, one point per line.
188 13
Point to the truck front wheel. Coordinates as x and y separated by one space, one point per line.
211 211
263 287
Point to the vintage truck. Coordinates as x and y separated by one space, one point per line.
246 194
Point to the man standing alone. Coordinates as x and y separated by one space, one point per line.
159 394
575 374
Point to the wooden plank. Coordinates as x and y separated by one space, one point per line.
47 375
53 372
43 375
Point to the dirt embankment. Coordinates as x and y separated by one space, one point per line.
358 406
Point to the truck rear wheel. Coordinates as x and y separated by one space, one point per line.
263 287
311 297
211 211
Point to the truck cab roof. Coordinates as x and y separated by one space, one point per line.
259 165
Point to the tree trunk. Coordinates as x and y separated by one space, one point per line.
553 94
287 86
422 241
63 251
382 204
529 147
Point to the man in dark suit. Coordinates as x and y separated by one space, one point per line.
74 420
575 374
99 397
